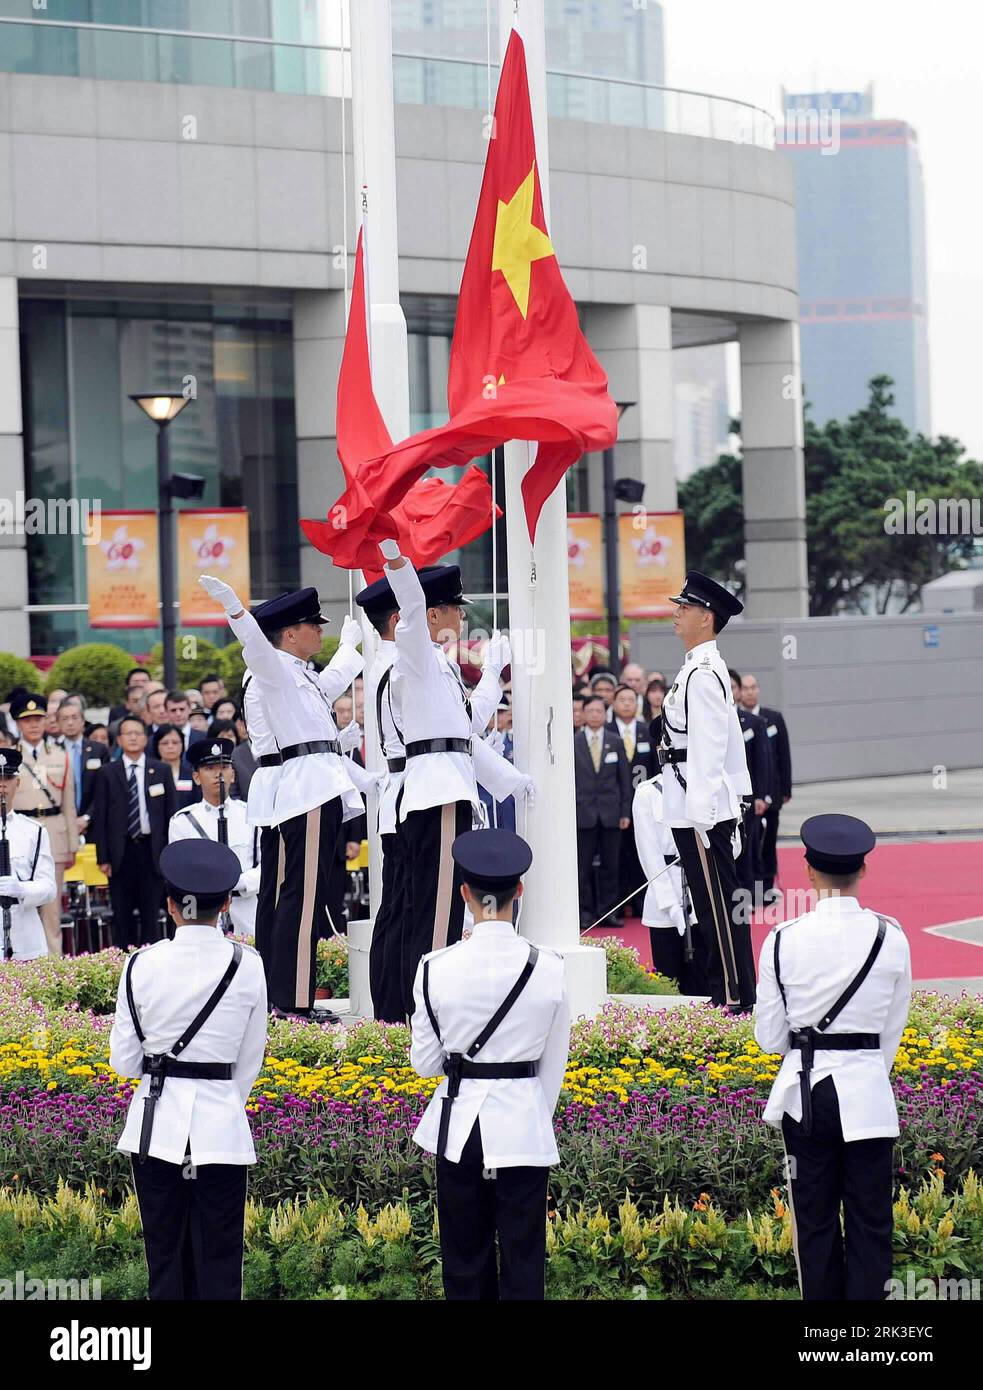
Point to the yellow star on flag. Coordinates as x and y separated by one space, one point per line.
517 242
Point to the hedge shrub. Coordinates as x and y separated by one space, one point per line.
196 657
96 670
17 670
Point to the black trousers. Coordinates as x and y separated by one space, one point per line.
769 845
136 884
309 842
826 1172
473 1209
725 931
433 909
192 1227
606 841
744 863
669 958
270 874
386 952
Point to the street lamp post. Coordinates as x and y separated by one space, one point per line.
162 409
628 490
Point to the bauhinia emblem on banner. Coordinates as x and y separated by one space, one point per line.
123 581
214 541
584 565
651 562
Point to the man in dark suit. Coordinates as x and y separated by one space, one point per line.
177 709
137 680
759 766
133 804
640 752
603 786
781 767
85 755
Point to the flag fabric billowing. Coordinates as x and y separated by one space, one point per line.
520 367
433 517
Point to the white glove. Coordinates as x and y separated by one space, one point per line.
11 887
527 788
221 591
390 549
701 831
736 845
350 736
678 918
498 653
351 632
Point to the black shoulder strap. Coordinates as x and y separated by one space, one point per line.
255 845
499 1013
242 701
381 690
506 1003
859 978
197 825
778 971
37 851
426 999
211 1003
129 996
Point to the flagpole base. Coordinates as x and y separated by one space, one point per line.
586 973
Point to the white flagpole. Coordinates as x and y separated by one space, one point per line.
539 623
374 153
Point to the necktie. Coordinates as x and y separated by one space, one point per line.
133 808
630 743
77 771
595 750
35 754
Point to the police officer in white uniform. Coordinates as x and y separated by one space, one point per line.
191 1017
31 881
492 1014
220 818
441 727
386 980
314 793
664 910
706 779
833 997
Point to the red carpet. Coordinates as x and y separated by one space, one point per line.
922 885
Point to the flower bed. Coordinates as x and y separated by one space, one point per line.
322 1248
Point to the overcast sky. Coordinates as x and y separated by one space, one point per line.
925 60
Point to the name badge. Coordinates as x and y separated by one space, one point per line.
155 789
93 764
643 747
610 757
748 735
183 784
772 730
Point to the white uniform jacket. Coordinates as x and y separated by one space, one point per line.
428 701
171 982
820 954
387 733
297 702
263 783
31 861
700 716
467 984
663 905
243 841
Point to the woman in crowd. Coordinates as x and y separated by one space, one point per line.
168 745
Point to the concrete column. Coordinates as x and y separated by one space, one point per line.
633 343
15 633
774 483
319 337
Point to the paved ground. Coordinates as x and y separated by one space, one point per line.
907 805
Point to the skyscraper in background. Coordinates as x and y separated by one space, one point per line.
861 251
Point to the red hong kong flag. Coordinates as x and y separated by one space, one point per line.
434 517
520 366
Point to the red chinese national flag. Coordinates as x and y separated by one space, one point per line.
516 320
434 517
520 366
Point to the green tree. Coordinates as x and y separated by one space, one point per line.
95 670
853 470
